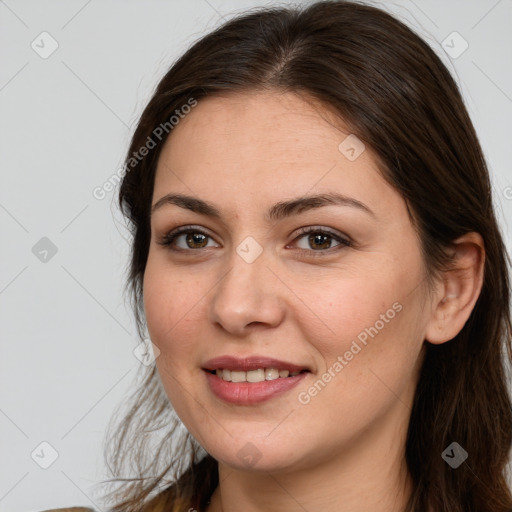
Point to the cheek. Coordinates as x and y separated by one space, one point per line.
173 310
374 318
172 303
369 360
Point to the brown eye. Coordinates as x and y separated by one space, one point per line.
186 238
318 241
196 240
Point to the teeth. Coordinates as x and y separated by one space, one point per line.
272 373
238 376
256 375
259 375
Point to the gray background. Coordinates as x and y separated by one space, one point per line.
67 331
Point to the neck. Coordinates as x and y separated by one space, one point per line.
371 474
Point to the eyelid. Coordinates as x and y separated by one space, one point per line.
323 229
344 241
169 237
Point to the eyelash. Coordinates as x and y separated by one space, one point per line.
168 239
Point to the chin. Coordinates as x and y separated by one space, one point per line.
255 456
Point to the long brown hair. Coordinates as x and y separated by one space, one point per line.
396 95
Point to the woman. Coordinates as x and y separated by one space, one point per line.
317 262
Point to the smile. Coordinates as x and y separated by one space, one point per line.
249 380
258 375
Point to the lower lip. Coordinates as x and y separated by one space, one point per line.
247 393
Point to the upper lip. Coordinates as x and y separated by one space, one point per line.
250 363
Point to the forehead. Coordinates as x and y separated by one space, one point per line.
257 126
269 144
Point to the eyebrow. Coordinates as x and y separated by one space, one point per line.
276 212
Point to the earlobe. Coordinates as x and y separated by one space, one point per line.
459 290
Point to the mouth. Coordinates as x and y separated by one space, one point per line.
258 375
252 368
250 380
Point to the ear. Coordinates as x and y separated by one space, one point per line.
458 290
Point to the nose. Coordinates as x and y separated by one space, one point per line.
247 296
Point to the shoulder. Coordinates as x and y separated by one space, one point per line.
69 509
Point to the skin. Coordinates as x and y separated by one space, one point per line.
344 450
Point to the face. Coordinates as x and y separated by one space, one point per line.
267 280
